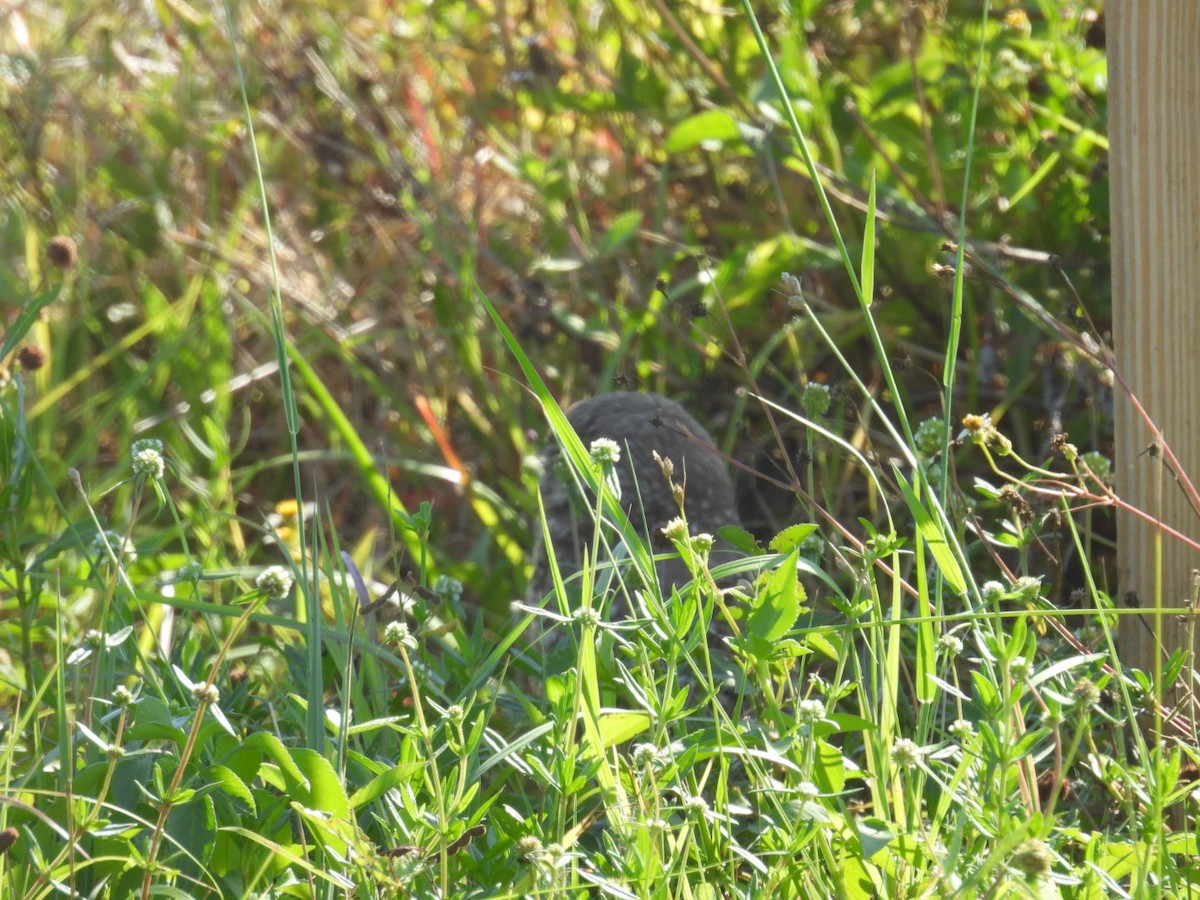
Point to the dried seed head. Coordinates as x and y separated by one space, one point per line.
1033 859
528 845
62 251
31 358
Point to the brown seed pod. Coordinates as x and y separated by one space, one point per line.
31 358
62 251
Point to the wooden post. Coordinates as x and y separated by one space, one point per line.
1154 136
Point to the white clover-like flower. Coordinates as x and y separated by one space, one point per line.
274 581
806 790
605 451
929 437
1020 668
810 711
122 696
644 754
587 616
206 693
950 644
676 529
993 591
906 753
1028 587
962 729
123 548
695 804
142 444
398 633
191 570
149 464
455 713
448 587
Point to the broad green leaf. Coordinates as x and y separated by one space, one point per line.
619 725
156 731
740 538
873 836
273 749
193 827
829 769
711 128
384 782
850 722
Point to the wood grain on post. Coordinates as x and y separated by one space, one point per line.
1154 136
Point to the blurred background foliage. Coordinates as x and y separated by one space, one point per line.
615 176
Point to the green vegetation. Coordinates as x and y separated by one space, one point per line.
321 273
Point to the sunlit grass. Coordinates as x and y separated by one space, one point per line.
348 310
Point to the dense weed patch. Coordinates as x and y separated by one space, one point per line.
293 293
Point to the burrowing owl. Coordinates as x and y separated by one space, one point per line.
641 424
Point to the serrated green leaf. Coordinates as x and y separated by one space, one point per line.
820 642
778 608
324 789
227 781
791 537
